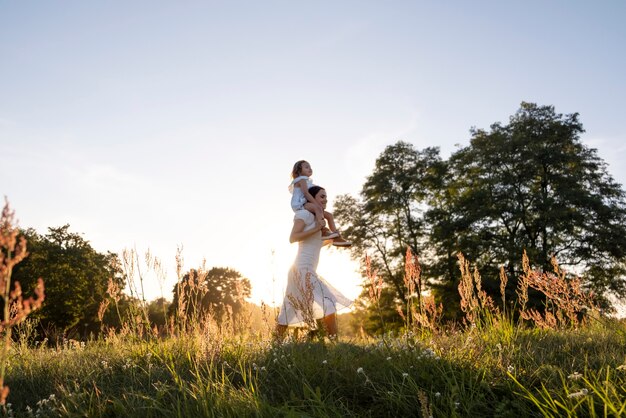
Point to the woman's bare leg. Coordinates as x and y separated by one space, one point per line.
279 332
330 322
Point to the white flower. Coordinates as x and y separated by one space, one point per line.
437 394
360 370
325 362
263 368
575 376
510 369
388 358
275 360
579 394
405 375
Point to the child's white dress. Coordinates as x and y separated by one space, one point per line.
297 196
308 296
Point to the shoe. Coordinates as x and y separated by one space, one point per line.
340 242
328 234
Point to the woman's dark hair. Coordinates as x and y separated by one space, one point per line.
314 190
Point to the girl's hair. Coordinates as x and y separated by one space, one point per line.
314 190
297 168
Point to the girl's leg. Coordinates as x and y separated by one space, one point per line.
331 221
314 209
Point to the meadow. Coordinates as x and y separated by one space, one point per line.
499 370
567 359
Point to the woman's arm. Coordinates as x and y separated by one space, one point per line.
298 233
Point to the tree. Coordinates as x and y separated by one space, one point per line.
157 312
75 274
526 185
389 217
532 185
217 292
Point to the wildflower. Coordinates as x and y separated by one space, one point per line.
510 369
428 352
360 370
574 376
263 369
579 394
405 375
388 358
325 362
437 394
499 347
622 367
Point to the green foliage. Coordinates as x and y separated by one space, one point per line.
75 275
532 184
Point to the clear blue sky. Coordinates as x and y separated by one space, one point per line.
156 123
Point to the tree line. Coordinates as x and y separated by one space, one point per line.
84 289
527 185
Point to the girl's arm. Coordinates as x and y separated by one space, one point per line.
298 233
305 190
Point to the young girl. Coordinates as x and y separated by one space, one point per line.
302 199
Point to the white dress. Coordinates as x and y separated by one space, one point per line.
308 296
297 196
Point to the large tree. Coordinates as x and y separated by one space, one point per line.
75 275
389 216
530 184
533 185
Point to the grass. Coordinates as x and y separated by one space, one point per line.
565 361
499 371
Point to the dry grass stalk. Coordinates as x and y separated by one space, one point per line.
412 274
425 407
16 307
304 303
567 302
426 313
474 300
375 287
430 315
503 281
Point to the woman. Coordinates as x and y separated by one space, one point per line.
308 297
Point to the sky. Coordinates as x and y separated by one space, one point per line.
157 125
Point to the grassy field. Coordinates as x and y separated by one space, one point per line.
563 360
499 370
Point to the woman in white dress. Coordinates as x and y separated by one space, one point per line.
308 297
